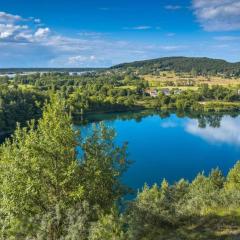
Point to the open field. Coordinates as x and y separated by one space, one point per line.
171 79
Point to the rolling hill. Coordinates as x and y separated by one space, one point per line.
183 64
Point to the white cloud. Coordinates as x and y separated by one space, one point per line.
6 17
90 34
171 34
14 28
143 27
227 38
11 31
218 15
173 7
76 59
172 47
42 32
25 43
37 20
22 33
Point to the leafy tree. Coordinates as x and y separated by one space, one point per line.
103 164
110 226
233 178
42 179
39 171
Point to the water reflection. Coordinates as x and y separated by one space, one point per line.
225 130
169 124
212 127
203 119
174 145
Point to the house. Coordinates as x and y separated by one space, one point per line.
152 92
165 91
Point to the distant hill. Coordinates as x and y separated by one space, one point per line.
183 64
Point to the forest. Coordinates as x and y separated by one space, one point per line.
184 64
56 185
51 191
22 97
119 120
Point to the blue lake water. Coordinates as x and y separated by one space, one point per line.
174 147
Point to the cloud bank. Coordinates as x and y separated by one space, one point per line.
28 42
218 15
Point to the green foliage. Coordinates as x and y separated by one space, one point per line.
233 178
43 181
18 106
196 66
113 90
103 164
39 170
161 210
109 227
72 224
55 185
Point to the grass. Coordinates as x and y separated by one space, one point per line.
126 87
221 225
183 80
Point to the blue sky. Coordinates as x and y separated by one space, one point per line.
101 33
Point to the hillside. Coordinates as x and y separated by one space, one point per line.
183 64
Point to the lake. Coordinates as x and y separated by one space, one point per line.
173 147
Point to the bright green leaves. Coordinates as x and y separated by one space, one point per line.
103 164
233 178
41 176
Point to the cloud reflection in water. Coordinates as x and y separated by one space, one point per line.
228 132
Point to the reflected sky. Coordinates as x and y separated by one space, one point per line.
228 132
174 147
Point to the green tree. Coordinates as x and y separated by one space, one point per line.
233 178
109 227
103 166
42 180
39 171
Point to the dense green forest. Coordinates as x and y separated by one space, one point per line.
18 106
58 185
50 191
183 64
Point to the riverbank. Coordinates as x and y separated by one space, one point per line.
150 104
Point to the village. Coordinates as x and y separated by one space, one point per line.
165 91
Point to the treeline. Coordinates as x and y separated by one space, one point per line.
204 118
216 98
22 98
202 66
56 185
